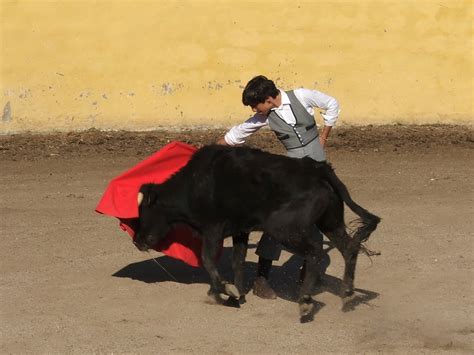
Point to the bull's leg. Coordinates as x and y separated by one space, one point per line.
240 243
349 248
313 256
210 249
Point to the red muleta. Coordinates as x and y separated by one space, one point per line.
120 199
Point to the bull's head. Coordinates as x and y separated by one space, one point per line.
153 223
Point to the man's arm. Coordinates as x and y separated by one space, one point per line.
318 99
237 134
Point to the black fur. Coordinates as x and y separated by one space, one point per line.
231 191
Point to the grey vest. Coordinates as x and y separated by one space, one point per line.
299 134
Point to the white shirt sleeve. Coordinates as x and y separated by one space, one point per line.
237 134
313 98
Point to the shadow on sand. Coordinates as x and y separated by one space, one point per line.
283 278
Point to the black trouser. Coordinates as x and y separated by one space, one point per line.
270 249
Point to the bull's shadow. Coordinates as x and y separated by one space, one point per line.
285 283
283 278
150 272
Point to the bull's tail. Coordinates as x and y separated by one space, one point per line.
368 220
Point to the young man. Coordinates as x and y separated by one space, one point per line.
290 115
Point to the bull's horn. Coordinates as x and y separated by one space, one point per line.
140 198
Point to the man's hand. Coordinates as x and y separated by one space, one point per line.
322 141
323 137
222 141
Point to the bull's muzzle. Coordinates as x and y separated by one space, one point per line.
141 246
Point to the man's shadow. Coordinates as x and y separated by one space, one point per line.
283 278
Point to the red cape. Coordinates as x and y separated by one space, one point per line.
120 199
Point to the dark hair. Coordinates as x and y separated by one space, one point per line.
257 90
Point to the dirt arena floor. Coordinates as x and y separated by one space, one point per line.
72 282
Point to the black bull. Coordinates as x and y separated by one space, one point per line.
231 191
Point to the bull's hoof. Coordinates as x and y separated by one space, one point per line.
307 310
307 319
231 290
232 302
214 298
306 307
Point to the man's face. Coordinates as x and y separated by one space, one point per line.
264 107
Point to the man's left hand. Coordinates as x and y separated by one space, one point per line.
322 141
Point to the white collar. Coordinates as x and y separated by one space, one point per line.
285 100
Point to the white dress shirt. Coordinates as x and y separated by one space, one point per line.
310 99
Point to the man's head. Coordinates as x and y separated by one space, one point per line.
261 95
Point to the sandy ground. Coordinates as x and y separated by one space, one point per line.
71 281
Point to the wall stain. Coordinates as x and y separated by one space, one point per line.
166 88
25 94
7 113
169 88
214 85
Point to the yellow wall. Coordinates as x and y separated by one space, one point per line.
73 65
